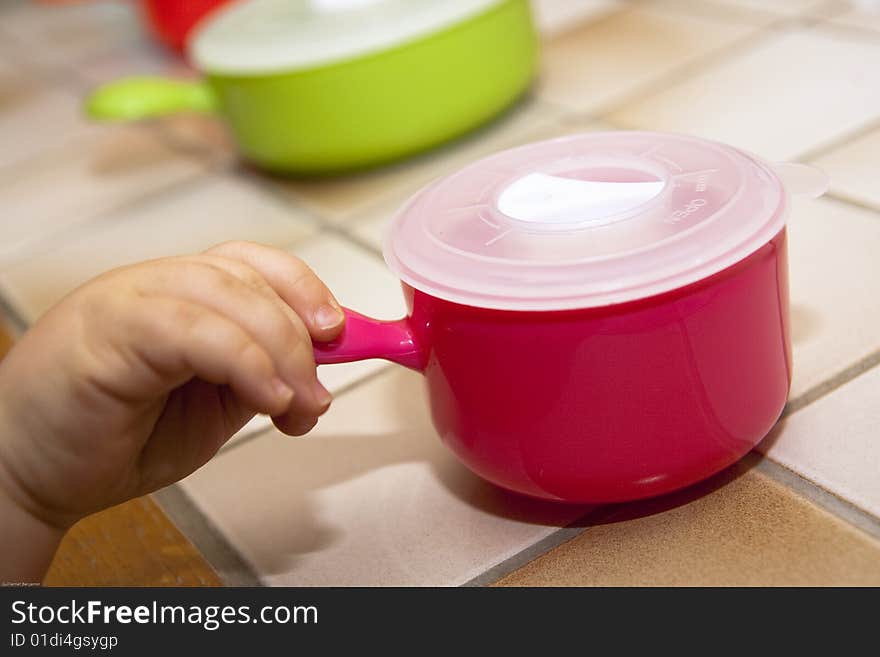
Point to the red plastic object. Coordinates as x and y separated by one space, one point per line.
172 20
602 404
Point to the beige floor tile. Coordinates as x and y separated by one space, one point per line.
604 61
835 442
189 220
834 287
864 18
63 35
371 226
337 198
738 529
370 497
556 16
781 7
793 92
81 179
853 169
137 59
754 13
34 117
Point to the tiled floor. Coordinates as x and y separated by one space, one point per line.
371 496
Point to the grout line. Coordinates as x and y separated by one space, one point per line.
532 552
687 71
358 241
850 30
62 77
193 523
722 12
834 505
91 225
690 69
845 199
841 141
830 385
256 433
830 9
267 185
232 568
10 313
10 171
327 227
826 500
679 75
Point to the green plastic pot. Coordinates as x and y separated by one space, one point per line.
364 111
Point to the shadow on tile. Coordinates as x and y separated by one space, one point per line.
374 480
806 323
373 470
614 513
331 460
125 152
769 440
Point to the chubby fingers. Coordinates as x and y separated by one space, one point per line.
242 299
294 282
179 339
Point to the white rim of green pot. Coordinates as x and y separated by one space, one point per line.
261 37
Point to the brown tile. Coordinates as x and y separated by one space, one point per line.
132 544
5 339
740 528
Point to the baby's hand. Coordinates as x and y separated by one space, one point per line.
138 377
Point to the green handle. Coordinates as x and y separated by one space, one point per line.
145 97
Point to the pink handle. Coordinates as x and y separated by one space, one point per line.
364 337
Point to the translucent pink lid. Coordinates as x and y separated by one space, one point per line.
589 220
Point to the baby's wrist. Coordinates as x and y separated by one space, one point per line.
30 543
30 540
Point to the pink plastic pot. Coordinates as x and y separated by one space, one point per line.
650 363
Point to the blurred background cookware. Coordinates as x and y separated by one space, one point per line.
171 21
324 86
